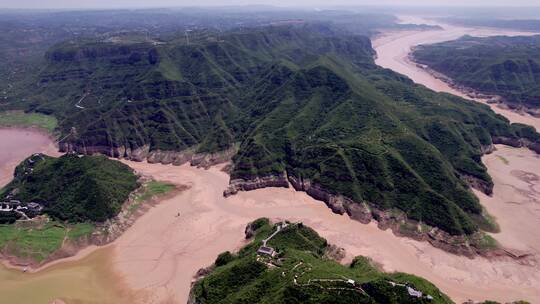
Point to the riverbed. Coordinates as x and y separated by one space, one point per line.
161 252
158 256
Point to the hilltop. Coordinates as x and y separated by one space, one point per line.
296 266
302 103
72 188
504 66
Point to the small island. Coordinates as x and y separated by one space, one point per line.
55 206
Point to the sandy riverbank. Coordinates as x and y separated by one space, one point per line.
81 254
516 199
160 254
393 49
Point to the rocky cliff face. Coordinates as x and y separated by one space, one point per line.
337 203
478 184
364 212
256 183
394 220
176 158
517 143
487 149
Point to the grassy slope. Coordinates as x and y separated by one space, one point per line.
244 278
150 190
154 188
37 243
21 119
504 66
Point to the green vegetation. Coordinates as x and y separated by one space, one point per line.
75 217
77 192
73 188
148 191
26 240
21 119
303 99
153 188
488 242
505 66
300 273
487 222
80 230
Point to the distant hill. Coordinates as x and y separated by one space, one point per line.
72 188
303 103
25 35
523 24
302 271
504 66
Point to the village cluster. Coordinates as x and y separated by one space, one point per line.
26 210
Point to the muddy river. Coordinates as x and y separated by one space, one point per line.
16 145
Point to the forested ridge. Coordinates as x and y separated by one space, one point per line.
304 100
505 66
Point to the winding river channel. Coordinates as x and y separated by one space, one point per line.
155 260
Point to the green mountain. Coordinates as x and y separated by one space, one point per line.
73 188
301 103
505 66
301 271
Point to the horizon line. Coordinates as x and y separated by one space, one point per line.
313 7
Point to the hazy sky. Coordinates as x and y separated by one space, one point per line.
168 3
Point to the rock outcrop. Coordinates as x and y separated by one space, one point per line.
487 149
256 183
478 184
176 158
206 160
517 143
337 203
364 212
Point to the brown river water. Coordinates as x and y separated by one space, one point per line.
16 145
155 260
